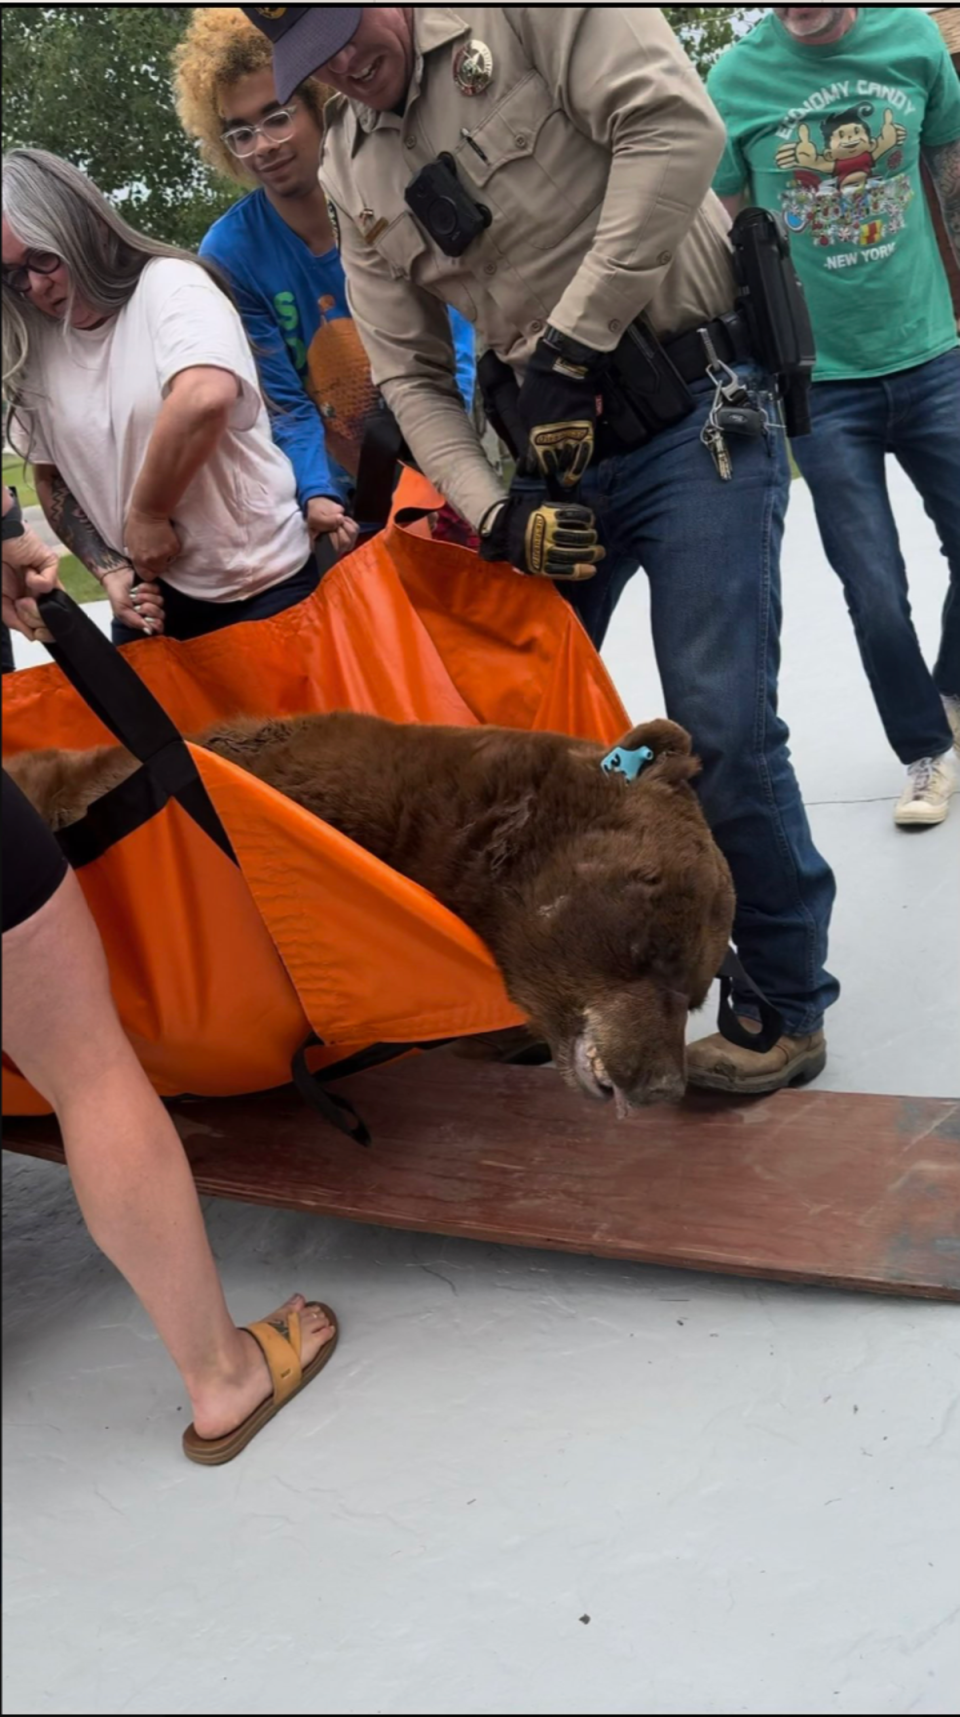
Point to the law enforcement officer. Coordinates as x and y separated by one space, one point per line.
547 170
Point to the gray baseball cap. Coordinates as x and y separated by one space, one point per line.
304 38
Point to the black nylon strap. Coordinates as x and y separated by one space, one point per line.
324 554
336 1110
312 1086
105 680
380 452
121 700
109 820
771 1019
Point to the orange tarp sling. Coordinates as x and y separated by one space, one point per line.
221 969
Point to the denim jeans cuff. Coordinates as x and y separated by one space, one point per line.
804 1027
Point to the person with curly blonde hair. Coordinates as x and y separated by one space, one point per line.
278 248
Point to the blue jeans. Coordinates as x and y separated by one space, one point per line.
190 617
711 551
915 415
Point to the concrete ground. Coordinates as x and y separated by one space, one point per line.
528 1482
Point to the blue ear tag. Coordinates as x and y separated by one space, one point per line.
628 763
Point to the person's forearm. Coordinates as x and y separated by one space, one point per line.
944 164
648 110
445 445
300 435
619 275
73 526
192 420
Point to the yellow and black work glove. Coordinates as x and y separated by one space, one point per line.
558 408
552 539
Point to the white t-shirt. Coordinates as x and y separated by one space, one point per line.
94 398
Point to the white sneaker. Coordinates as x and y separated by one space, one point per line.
952 707
926 797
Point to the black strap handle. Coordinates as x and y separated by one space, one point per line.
500 391
324 554
117 695
336 1110
105 679
771 1019
381 451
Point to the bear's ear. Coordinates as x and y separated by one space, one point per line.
671 747
660 737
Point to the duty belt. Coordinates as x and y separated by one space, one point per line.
731 341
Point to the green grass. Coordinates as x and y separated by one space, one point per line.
78 582
74 577
15 474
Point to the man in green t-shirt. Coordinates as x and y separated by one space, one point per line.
829 110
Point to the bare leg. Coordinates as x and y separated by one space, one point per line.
128 1167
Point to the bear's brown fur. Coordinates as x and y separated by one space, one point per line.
604 901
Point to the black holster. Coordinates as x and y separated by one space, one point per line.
643 392
772 300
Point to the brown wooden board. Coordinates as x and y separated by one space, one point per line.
806 1186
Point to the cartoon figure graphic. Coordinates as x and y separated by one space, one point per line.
849 152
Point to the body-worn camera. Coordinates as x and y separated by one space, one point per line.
442 206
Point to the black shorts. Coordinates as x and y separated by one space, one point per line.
190 617
33 865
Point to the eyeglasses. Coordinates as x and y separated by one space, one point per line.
35 262
277 127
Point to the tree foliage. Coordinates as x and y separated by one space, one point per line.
93 84
706 30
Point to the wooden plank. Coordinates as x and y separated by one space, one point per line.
852 1191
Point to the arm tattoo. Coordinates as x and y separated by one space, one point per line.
944 164
80 534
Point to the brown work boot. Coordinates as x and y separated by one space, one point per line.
713 1064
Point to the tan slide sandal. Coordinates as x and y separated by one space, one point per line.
280 1344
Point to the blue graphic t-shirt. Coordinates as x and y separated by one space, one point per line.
313 368
831 137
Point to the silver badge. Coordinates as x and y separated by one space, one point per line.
334 214
473 68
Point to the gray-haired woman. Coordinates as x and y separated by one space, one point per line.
134 391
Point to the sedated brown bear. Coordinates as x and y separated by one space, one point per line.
604 900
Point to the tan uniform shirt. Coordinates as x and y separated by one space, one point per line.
593 146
